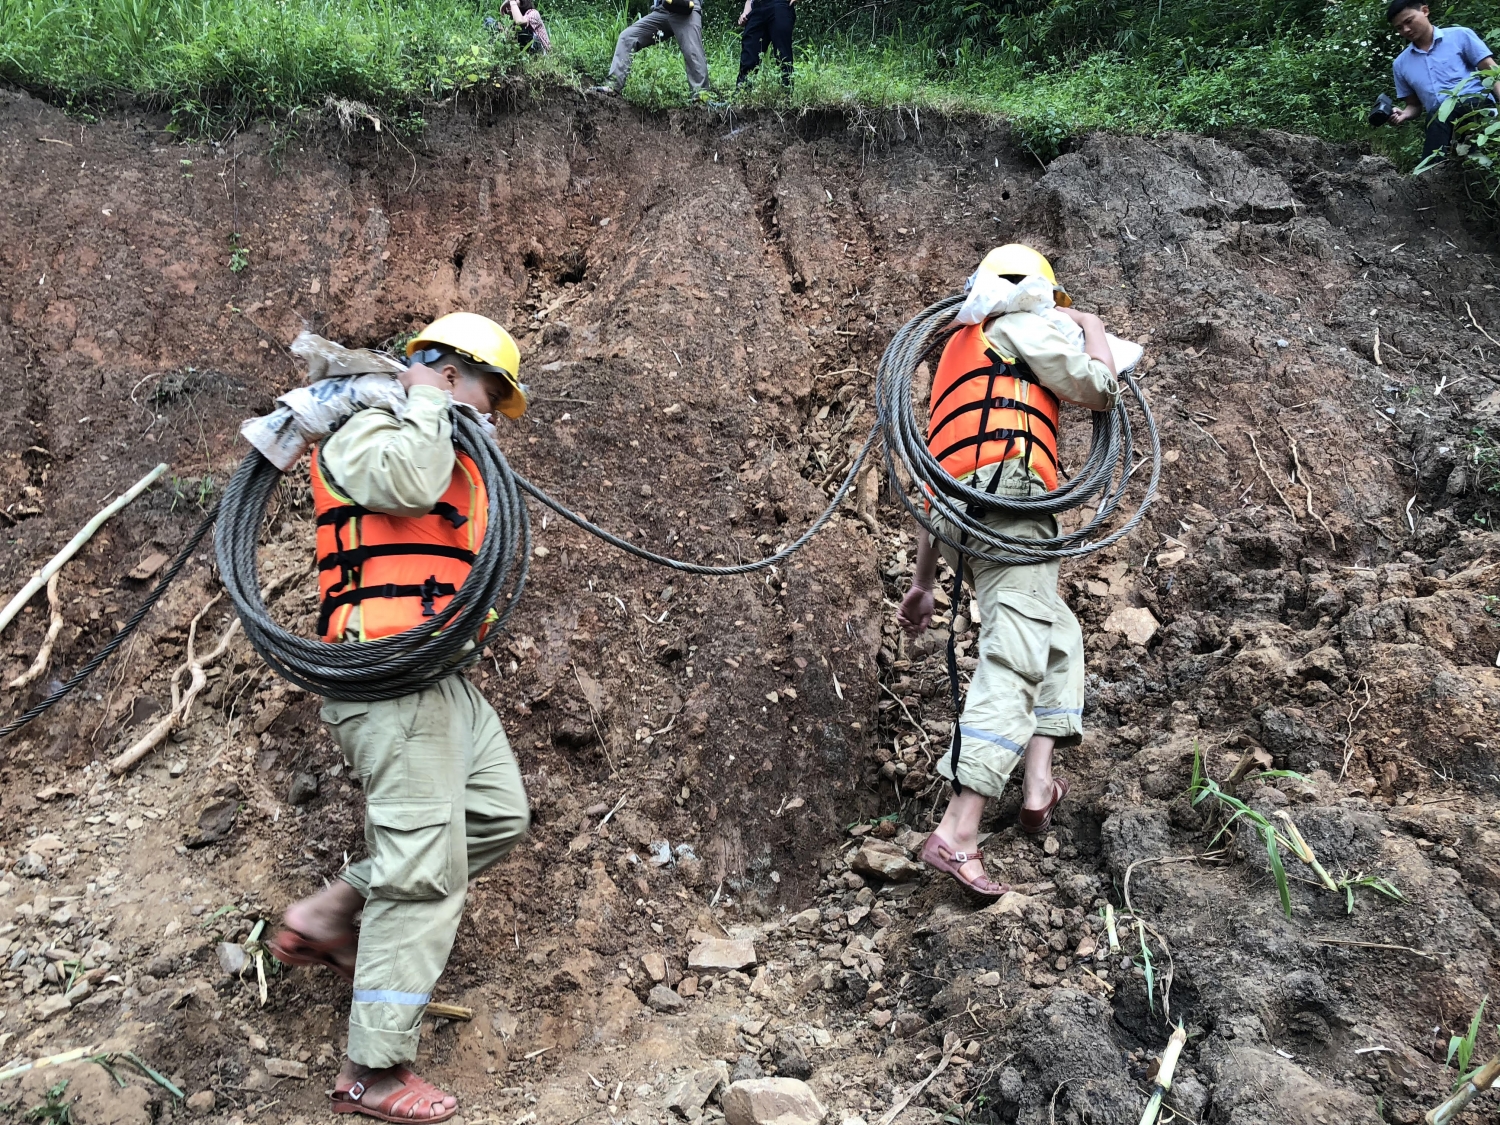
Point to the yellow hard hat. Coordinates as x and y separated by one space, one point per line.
483 343
1015 260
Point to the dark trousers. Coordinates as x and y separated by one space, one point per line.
771 22
1439 133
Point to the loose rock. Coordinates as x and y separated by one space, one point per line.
663 999
772 1101
655 965
722 954
202 1102
791 1062
303 789
285 1068
885 860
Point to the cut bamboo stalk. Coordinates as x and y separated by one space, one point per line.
54 564
54 627
1303 851
1164 1074
1109 926
50 1060
1481 1080
450 1011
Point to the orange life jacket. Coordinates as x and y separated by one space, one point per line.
398 570
987 408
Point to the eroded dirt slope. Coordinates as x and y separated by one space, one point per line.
700 304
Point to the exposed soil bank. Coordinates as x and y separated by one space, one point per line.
700 306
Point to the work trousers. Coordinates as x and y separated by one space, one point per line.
1440 133
443 801
687 30
1029 678
771 23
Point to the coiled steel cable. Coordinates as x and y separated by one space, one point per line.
958 513
407 662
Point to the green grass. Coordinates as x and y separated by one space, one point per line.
214 62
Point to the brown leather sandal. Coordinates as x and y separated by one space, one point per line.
1034 822
411 1101
291 947
939 855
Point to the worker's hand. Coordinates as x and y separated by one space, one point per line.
420 375
1404 114
916 611
745 15
1084 320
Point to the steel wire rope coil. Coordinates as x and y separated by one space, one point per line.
407 662
1102 480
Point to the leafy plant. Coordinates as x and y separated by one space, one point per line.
1461 1047
1202 787
1372 882
54 1110
1476 140
239 255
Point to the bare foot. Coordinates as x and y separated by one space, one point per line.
384 1083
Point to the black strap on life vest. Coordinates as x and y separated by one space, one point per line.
1020 369
346 512
355 556
347 559
428 591
1004 434
998 402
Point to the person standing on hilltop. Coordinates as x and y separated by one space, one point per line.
993 424
680 19
767 23
400 515
1437 62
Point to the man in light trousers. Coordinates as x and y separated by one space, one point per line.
680 19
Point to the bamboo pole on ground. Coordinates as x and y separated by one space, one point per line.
54 564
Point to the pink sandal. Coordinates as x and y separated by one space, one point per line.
1034 822
939 855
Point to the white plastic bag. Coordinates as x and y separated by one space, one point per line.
341 381
990 295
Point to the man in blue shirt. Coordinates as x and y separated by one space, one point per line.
1438 62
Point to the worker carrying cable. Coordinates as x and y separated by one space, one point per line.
400 517
993 423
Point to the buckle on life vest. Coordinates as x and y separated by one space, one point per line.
448 512
429 592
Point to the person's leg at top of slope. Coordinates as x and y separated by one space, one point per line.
766 23
400 514
994 416
683 21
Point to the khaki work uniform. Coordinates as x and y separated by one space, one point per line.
443 794
1029 678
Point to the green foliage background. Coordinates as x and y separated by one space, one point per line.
1052 67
